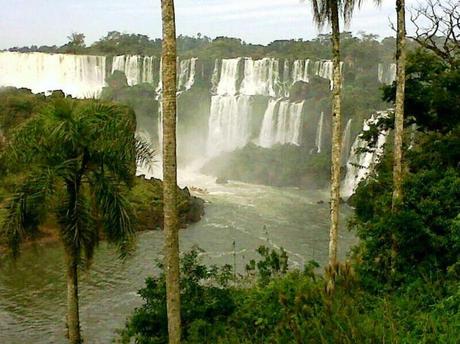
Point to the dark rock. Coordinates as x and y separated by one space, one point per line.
221 180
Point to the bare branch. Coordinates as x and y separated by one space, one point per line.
437 27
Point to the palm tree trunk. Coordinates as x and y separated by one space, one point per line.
399 109
336 134
73 318
170 172
399 113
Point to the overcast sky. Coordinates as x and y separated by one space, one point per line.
40 22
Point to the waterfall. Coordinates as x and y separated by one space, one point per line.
81 76
183 72
268 130
186 74
229 123
261 77
319 133
361 164
325 70
148 69
346 142
386 73
300 71
281 123
192 71
129 65
286 78
229 77
215 76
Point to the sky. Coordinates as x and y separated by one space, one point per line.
49 22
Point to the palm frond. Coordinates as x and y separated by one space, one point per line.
145 153
322 10
27 209
117 213
77 226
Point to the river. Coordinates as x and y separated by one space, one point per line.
32 290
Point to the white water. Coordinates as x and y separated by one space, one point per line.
229 124
261 77
148 69
186 74
346 142
300 71
281 123
360 165
325 69
319 133
386 73
229 77
129 65
81 76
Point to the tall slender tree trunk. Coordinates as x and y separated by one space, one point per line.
336 134
73 318
399 114
399 108
170 172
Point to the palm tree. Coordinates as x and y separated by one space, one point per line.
171 228
399 104
75 161
329 12
399 114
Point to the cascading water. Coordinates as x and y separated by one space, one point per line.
234 84
346 142
186 74
81 76
286 69
386 73
268 130
191 76
261 77
215 76
229 124
325 70
319 133
281 124
228 77
130 65
362 159
149 65
300 71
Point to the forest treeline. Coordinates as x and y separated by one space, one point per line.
363 47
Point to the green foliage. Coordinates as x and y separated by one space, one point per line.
272 264
362 51
433 86
425 225
16 106
75 160
272 305
205 298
